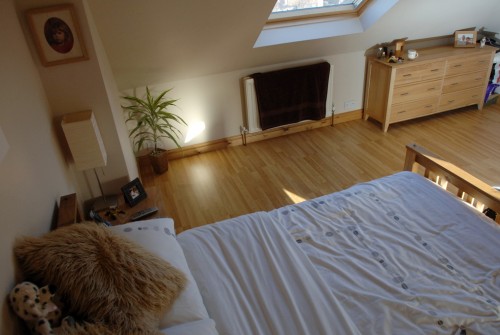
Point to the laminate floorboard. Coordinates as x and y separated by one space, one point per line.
261 176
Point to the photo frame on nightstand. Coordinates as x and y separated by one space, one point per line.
134 192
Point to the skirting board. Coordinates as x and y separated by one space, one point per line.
200 148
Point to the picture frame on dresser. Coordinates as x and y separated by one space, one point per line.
56 34
134 192
465 38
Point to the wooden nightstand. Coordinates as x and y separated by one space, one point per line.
123 213
68 212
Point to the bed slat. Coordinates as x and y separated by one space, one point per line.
476 191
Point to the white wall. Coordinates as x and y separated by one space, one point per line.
213 96
36 171
87 85
33 174
113 99
193 38
216 100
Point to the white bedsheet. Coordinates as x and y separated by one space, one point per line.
261 283
393 256
403 256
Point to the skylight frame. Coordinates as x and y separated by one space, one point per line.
300 15
301 30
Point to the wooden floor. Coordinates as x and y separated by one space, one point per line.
261 176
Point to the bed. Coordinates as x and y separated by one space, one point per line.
396 255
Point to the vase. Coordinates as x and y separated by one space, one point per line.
159 161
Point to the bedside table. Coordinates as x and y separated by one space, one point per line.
68 211
123 212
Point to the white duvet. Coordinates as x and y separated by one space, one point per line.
394 256
254 280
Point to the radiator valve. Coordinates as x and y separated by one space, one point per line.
243 132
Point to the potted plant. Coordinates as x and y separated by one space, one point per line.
153 122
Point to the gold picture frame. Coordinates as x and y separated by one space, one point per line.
465 38
56 34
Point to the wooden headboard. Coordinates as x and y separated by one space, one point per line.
452 178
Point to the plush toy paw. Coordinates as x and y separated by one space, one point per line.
35 306
42 327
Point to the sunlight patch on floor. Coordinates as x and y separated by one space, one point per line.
294 197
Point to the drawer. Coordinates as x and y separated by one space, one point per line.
410 110
416 91
411 74
468 64
462 82
463 98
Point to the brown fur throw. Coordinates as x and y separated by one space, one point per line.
98 329
84 329
104 278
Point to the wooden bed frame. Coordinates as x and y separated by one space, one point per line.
452 178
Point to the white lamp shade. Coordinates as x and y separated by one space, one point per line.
84 140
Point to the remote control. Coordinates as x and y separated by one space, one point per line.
98 219
144 212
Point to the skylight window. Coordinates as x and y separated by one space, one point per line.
286 9
329 18
287 5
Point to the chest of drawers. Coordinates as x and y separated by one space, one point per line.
440 79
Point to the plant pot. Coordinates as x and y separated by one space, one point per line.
159 161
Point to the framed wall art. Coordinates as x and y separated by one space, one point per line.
56 34
133 192
465 38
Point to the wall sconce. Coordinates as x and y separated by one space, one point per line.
87 148
4 146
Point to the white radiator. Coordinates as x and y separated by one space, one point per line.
251 113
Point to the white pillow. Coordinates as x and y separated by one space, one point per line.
201 327
158 237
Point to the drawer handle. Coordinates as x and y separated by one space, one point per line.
407 75
403 94
479 78
401 112
481 61
434 70
428 106
450 101
431 89
474 96
454 84
458 65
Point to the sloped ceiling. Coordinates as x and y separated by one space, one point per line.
157 41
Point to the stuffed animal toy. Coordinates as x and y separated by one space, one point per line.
35 306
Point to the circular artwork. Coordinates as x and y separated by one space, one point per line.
58 34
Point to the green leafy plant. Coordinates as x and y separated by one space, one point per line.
153 120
